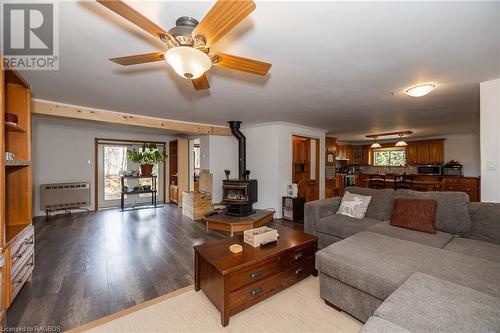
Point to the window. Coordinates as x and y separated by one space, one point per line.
389 157
115 160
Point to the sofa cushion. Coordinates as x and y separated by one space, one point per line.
426 303
485 222
343 226
354 205
379 264
415 214
380 207
475 248
439 239
379 325
452 213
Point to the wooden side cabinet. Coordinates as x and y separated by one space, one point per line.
293 209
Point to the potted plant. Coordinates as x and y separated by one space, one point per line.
146 157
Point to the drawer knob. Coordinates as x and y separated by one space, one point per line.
256 291
298 271
255 274
298 256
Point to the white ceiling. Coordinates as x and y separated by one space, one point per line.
334 65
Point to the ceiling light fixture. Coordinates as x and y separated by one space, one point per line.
375 145
420 90
188 62
401 143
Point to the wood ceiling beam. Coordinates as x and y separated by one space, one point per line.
69 111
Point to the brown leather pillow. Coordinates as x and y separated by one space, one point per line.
415 214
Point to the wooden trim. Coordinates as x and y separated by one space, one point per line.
100 141
96 174
135 308
76 112
378 135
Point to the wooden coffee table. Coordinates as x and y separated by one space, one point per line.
234 282
231 224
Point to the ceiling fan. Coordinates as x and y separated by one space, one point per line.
189 41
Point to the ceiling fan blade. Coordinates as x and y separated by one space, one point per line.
132 15
201 83
242 64
139 58
221 18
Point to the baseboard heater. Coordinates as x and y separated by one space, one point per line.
64 196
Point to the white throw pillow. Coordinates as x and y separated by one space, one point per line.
354 205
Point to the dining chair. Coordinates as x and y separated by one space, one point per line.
377 181
404 182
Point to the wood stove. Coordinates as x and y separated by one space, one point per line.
239 194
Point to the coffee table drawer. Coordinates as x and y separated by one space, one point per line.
262 289
252 274
296 256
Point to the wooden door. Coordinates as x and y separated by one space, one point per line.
423 152
436 152
411 154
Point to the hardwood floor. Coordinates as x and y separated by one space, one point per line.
89 265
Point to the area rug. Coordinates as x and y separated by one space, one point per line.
296 309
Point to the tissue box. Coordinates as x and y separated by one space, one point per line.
255 237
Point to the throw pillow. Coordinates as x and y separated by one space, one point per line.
354 205
415 214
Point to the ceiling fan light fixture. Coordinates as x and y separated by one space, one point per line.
420 90
188 62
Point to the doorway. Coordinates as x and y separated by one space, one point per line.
305 166
111 159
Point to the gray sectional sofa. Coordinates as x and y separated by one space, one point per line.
385 275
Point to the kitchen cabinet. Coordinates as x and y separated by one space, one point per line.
436 152
366 155
345 152
330 150
301 151
411 154
423 152
468 185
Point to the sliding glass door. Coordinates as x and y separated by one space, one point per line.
112 159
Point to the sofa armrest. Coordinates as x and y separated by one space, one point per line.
485 222
314 210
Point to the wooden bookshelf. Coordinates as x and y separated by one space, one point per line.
16 230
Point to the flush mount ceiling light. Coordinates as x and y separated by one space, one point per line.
188 62
420 90
401 143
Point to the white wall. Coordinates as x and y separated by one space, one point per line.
466 149
263 163
269 159
490 140
62 149
222 155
